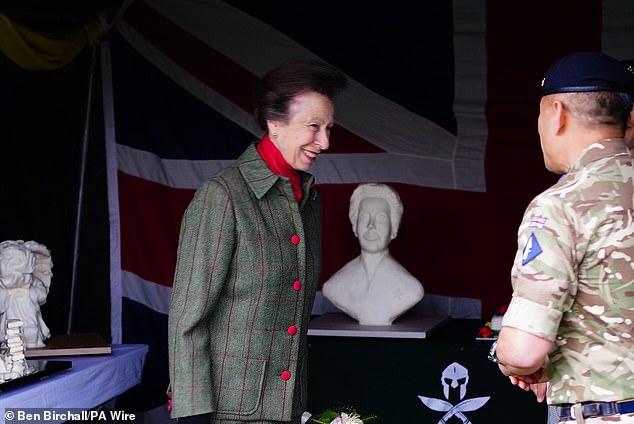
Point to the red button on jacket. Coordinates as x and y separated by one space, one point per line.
286 375
297 285
295 239
292 330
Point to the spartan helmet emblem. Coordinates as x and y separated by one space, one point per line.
455 375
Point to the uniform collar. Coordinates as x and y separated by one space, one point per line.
599 150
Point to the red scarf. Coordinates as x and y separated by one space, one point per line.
276 163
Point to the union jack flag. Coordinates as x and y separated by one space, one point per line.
442 105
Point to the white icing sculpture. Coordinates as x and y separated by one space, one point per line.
374 288
25 279
13 362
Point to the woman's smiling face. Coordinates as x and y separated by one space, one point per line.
307 131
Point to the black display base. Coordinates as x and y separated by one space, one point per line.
397 379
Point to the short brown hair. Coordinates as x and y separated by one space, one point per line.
280 86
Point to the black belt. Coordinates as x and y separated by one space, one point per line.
596 409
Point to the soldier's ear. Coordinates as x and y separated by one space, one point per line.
559 117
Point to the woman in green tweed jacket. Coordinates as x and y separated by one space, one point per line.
248 264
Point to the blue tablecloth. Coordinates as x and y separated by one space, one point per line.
92 381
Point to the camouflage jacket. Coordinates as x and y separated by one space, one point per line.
573 276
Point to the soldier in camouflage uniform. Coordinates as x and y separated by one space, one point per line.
570 319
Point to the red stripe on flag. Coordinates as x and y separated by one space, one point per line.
150 214
436 242
198 58
217 71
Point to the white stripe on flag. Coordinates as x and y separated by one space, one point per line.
113 196
258 47
194 86
152 295
328 169
393 128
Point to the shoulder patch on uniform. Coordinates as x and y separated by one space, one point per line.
537 221
531 250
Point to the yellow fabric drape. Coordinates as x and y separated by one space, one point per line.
37 51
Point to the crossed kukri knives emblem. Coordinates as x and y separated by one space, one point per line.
457 410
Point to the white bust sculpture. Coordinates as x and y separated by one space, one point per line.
25 278
374 288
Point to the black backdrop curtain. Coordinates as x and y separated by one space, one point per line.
43 115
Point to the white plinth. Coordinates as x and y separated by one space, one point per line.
405 327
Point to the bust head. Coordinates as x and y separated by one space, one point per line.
375 214
373 288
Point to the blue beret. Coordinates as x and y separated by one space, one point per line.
585 72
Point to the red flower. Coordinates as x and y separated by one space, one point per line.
503 309
485 332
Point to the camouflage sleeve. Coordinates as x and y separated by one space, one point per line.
543 275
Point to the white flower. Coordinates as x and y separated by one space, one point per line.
350 419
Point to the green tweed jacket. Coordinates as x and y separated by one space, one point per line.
248 264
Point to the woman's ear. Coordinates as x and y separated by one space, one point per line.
272 127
